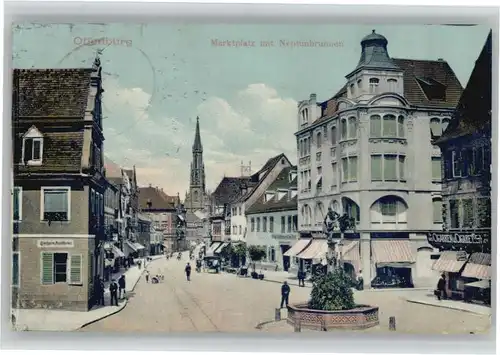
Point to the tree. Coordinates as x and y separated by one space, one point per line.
227 252
332 291
240 251
256 253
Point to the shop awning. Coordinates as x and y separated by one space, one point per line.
448 262
350 253
478 266
222 246
134 246
118 253
392 252
300 245
214 246
479 284
317 249
139 246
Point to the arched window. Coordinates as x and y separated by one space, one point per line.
392 83
360 82
334 135
389 128
351 87
375 126
308 145
373 85
437 206
343 129
352 127
335 206
319 213
350 208
196 195
401 127
318 140
389 210
436 128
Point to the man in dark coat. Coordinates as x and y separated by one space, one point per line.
121 285
285 293
188 272
99 291
113 290
441 286
301 276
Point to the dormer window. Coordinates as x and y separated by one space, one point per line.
32 150
268 197
352 89
373 85
433 89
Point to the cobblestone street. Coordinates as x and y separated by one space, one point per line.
226 303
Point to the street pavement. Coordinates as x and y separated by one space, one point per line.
227 303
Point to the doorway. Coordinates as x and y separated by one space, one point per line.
286 259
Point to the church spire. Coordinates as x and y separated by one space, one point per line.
197 138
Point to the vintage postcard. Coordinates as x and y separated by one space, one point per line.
251 178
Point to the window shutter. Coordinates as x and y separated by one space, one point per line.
75 269
47 268
28 150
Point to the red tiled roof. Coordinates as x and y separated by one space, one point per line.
440 71
158 199
229 189
112 169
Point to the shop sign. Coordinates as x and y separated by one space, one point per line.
438 239
55 243
284 236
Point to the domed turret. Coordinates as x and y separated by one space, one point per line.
374 53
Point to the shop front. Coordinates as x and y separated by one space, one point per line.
284 242
296 264
394 263
465 260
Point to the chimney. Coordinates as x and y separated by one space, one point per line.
440 60
312 99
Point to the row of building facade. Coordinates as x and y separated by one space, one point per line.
77 216
403 149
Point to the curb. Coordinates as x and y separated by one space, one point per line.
446 306
119 308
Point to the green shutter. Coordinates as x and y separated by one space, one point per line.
15 269
47 268
75 269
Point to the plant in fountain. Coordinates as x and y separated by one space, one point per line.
333 291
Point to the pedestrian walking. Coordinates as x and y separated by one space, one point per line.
301 276
441 286
188 272
147 276
285 293
113 291
121 287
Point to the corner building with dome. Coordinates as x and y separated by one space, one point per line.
367 152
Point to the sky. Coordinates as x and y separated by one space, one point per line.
159 77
